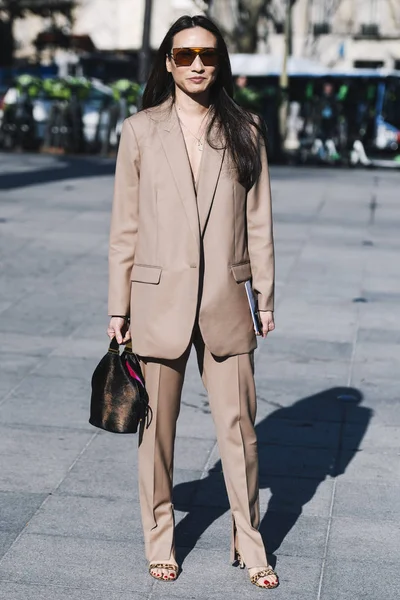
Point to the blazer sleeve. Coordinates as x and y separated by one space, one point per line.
124 222
260 236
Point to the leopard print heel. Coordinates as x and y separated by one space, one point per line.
172 575
238 562
263 572
268 572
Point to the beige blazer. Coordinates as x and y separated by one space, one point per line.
174 257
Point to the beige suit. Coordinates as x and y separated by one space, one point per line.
159 234
178 262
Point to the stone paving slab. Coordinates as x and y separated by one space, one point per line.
287 494
327 381
290 494
331 403
17 366
305 398
380 500
363 538
16 509
207 574
195 421
185 486
60 560
296 461
58 322
48 401
372 465
114 478
90 348
209 527
32 345
108 479
7 538
71 368
8 382
371 317
377 436
385 413
382 336
36 460
101 518
330 372
14 591
355 579
280 429
304 348
106 447
294 535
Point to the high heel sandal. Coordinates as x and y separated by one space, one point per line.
172 575
266 572
238 562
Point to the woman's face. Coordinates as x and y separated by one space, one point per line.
195 78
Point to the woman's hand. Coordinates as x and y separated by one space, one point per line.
267 322
119 328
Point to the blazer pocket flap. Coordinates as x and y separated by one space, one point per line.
146 274
241 272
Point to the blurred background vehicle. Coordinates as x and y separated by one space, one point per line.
334 117
18 125
71 114
344 118
126 96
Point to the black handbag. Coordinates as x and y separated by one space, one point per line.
119 399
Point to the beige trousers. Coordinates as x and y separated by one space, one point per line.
231 391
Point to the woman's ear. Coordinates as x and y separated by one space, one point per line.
168 63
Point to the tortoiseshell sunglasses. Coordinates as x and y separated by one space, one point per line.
184 57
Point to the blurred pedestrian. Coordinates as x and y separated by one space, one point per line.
191 223
246 95
328 119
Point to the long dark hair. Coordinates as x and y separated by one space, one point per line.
236 125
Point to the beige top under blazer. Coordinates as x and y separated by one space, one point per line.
158 231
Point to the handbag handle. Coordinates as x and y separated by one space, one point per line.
114 346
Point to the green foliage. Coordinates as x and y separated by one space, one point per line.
127 89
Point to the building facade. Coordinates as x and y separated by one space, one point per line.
337 33
113 25
117 24
341 33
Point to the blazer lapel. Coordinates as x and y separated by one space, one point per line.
175 151
210 169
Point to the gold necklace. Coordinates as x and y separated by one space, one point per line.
196 137
199 139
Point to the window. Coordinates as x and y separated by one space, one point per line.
322 28
368 64
369 30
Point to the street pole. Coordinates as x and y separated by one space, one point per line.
284 78
144 56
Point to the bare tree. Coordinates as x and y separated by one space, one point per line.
240 20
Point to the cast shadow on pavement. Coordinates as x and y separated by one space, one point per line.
63 168
299 446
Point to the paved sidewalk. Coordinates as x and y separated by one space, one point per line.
328 390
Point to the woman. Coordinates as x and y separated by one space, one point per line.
191 223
